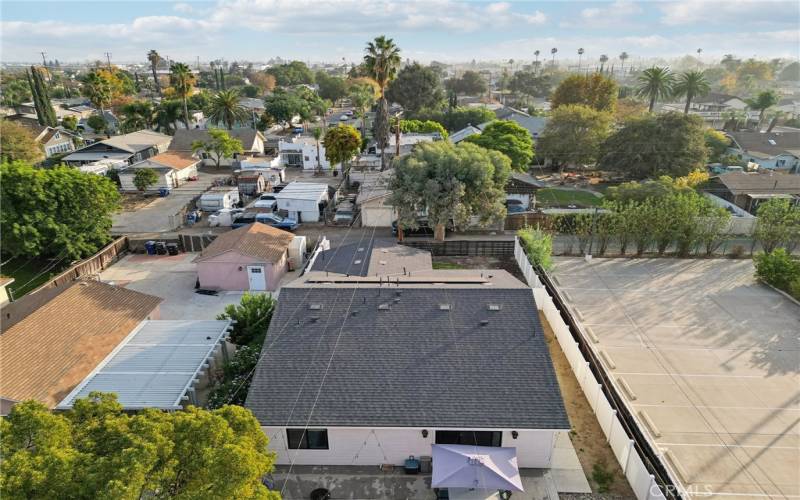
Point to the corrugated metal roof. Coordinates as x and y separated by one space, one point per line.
156 365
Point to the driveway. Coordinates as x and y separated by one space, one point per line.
159 215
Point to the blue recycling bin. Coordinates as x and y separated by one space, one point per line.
150 247
163 192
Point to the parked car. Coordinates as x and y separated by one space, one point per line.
277 221
345 212
422 229
349 112
266 201
515 206
344 118
297 130
224 217
243 219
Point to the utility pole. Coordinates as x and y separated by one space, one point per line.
108 59
46 72
44 60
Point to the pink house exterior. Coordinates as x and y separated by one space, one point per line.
251 258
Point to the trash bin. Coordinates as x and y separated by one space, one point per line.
411 465
172 248
163 192
425 464
161 248
150 247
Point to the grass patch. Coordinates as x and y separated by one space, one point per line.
30 273
448 265
555 197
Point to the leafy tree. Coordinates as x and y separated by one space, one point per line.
283 106
144 178
182 82
225 109
97 450
451 182
691 84
54 212
250 91
509 138
654 145
137 115
779 269
416 87
595 91
167 114
655 83
154 59
762 102
420 127
341 144
757 70
530 83
717 143
574 134
778 224
97 123
231 386
15 92
264 81
17 142
538 247
362 94
470 83
316 133
219 145
791 73
331 87
456 118
252 316
70 122
293 73
381 60
628 108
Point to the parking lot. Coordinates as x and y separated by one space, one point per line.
707 359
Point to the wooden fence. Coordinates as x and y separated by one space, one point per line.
93 265
455 248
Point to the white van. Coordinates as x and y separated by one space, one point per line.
217 199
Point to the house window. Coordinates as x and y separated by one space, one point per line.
307 439
474 438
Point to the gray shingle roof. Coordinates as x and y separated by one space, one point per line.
411 365
350 258
183 138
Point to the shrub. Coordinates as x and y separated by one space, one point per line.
252 317
538 246
778 268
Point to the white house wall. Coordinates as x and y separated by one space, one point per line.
365 446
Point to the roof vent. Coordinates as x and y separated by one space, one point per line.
354 313
382 262
357 261
772 141
315 307
494 307
484 322
398 292
383 307
396 300
314 319
444 307
360 249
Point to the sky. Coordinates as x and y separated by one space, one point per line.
441 30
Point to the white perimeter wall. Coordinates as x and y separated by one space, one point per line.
365 446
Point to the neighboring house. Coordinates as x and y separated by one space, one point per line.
533 124
440 357
790 106
5 297
301 151
56 141
252 142
523 187
771 150
161 364
52 339
372 199
173 168
253 105
132 148
748 190
712 107
82 111
407 143
462 134
303 201
251 183
253 257
112 123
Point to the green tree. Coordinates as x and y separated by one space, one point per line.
381 60
470 83
362 95
530 83
341 144
167 114
137 115
717 143
283 106
538 247
252 316
144 178
219 145
154 59
317 134
779 269
595 91
54 212
97 450
451 182
97 123
182 82
290 74
574 134
456 118
691 84
654 145
655 83
225 109
423 127
762 102
70 122
790 73
416 87
97 88
41 97
332 88
16 91
17 142
778 224
509 138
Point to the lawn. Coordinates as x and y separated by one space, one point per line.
557 197
30 273
448 265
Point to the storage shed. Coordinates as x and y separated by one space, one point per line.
252 257
173 170
303 201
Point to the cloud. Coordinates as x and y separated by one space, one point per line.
747 12
617 10
183 8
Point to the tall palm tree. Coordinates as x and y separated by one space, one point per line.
762 102
691 84
603 61
154 59
98 90
623 57
224 108
580 55
536 62
182 81
169 111
381 60
317 133
553 51
655 83
137 115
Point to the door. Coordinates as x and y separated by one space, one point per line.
257 278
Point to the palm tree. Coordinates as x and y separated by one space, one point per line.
182 81
762 102
154 59
553 51
381 61
603 61
317 133
623 57
580 55
137 115
224 108
169 111
655 83
98 90
536 62
691 84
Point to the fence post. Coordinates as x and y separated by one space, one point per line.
650 487
628 456
611 425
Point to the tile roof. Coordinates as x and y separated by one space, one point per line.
183 138
175 159
771 144
47 353
410 363
256 240
777 183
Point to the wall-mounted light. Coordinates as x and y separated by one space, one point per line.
424 433
240 268
514 434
